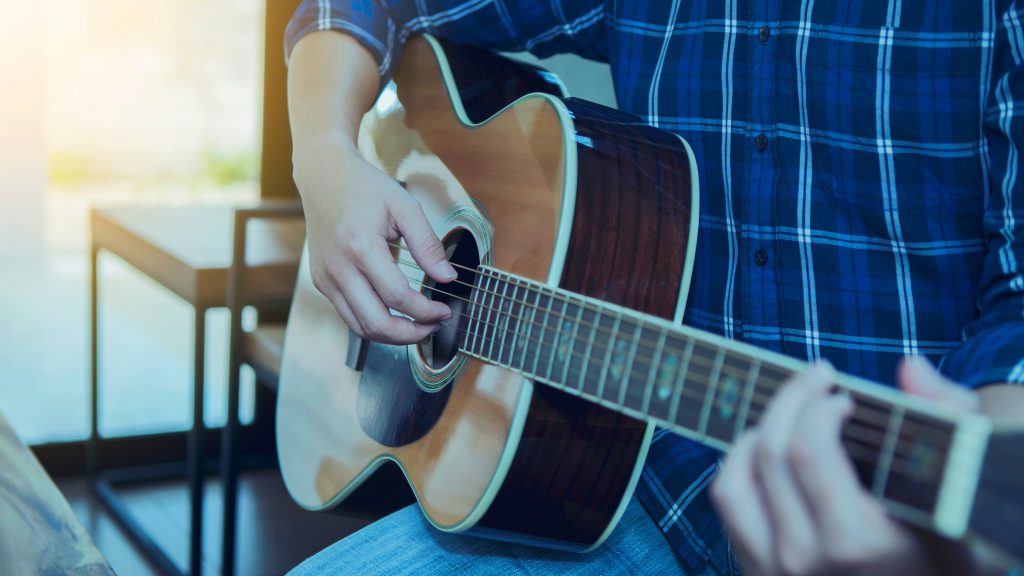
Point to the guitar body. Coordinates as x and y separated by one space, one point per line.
511 175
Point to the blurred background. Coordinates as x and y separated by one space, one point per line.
107 102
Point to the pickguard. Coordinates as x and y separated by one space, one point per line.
391 407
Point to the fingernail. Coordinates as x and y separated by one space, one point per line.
448 271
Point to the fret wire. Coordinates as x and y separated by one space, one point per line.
521 340
515 314
495 325
516 321
887 452
608 355
478 312
466 341
868 454
544 327
529 328
748 396
504 320
904 440
482 310
713 380
631 358
585 367
652 372
555 338
493 313
572 345
680 380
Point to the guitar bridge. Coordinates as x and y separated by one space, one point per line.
357 347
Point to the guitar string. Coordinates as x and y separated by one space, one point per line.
904 430
909 425
852 428
597 328
499 310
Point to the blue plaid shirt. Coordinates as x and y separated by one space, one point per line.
860 189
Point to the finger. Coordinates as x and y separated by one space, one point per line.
393 287
377 322
327 285
344 311
791 520
918 377
739 500
823 471
426 249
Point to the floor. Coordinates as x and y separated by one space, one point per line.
273 533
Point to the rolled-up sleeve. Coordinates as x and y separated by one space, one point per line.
538 26
366 21
993 346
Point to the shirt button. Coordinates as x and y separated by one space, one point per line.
761 257
764 33
761 142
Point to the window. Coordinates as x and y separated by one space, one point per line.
115 102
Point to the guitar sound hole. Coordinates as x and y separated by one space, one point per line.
441 348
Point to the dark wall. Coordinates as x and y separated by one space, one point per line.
276 160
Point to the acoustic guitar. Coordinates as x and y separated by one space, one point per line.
527 418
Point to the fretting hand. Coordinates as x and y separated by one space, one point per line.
792 501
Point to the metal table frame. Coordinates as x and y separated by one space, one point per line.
203 286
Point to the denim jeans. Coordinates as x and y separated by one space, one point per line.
405 543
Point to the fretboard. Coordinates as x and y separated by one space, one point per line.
694 383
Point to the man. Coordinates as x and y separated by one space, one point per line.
860 203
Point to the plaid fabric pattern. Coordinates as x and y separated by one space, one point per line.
859 168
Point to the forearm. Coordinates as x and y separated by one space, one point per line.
332 81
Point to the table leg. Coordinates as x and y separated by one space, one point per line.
196 448
229 446
91 447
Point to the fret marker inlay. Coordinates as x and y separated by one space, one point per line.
666 376
523 334
923 462
618 359
564 340
728 396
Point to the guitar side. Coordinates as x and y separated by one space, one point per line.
573 193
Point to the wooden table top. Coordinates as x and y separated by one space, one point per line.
188 249
39 534
201 236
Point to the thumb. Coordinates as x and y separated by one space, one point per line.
918 377
426 249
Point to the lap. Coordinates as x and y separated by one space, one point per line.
405 543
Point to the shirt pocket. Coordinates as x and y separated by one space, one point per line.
894 120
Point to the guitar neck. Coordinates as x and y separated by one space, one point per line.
711 390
